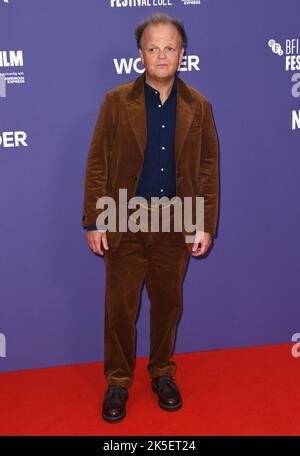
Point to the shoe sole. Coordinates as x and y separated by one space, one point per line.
170 408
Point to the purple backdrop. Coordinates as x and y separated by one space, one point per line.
246 291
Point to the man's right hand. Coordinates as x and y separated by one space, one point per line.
95 239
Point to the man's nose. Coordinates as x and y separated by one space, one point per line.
161 54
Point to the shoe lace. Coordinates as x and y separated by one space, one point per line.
167 381
116 390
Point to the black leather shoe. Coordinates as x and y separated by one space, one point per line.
113 406
168 392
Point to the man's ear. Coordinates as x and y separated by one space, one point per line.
141 55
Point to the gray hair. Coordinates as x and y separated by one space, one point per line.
160 18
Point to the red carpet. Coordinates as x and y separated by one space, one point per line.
246 391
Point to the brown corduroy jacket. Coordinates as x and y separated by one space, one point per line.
115 157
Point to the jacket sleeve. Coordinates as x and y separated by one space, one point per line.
208 179
97 163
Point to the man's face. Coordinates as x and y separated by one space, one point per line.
161 52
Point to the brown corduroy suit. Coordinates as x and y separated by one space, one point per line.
115 161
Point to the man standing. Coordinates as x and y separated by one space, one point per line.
154 137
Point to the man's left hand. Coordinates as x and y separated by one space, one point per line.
205 240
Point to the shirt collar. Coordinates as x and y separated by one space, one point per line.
150 89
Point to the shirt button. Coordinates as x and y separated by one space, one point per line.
161 189
163 126
161 169
156 91
163 147
159 106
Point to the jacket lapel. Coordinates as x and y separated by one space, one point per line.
136 107
185 111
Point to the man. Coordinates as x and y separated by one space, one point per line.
154 137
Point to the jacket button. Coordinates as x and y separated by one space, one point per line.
134 178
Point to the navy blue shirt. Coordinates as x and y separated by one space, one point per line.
158 176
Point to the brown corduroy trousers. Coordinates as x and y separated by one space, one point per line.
160 259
